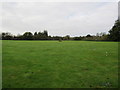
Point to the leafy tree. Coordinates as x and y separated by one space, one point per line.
88 35
35 33
57 37
19 37
67 37
27 36
114 33
7 36
42 36
77 38
45 33
35 36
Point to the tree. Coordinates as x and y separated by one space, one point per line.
35 36
3 35
18 37
7 36
67 37
114 33
42 35
77 38
88 35
57 37
35 33
45 33
27 36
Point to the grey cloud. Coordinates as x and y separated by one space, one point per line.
73 19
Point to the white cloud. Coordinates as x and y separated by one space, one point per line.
68 18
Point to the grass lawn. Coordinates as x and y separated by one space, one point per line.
53 64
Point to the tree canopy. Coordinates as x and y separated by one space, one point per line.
115 32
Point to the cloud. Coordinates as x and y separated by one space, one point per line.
68 18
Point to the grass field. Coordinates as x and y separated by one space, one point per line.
53 64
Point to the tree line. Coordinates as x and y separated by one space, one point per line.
113 35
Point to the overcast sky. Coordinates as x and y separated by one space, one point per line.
59 18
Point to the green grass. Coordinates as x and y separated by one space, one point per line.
53 64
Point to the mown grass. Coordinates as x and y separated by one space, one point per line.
53 64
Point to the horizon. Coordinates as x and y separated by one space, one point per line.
56 35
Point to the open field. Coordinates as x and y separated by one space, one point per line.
53 64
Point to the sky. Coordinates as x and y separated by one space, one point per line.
58 18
